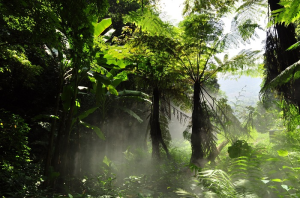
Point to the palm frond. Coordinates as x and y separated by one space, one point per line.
290 73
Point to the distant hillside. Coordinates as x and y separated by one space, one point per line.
251 87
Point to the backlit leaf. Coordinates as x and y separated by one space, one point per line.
276 180
100 27
112 90
282 153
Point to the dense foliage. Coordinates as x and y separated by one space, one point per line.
92 93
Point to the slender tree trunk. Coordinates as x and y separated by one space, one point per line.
213 155
196 143
155 131
155 127
51 141
62 156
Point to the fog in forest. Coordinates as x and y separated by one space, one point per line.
149 99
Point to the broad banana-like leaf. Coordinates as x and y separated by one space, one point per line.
100 27
291 72
112 90
102 79
111 60
130 112
43 116
84 114
133 93
95 128
120 77
87 112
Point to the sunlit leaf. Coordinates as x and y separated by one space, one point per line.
282 153
276 180
100 27
273 159
77 103
285 187
82 87
112 90
106 161
265 181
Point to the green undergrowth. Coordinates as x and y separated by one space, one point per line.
270 170
136 175
267 172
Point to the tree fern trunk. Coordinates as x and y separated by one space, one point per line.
281 59
155 127
197 148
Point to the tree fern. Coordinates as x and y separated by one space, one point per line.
290 12
147 21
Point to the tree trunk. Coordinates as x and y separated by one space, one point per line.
155 127
51 141
213 155
279 61
196 143
155 131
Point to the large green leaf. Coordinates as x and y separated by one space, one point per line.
95 128
112 60
133 93
84 114
138 95
106 161
100 27
290 73
130 112
120 77
112 90
283 153
102 79
87 112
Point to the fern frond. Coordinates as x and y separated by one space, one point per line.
184 193
148 21
251 10
218 182
290 12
